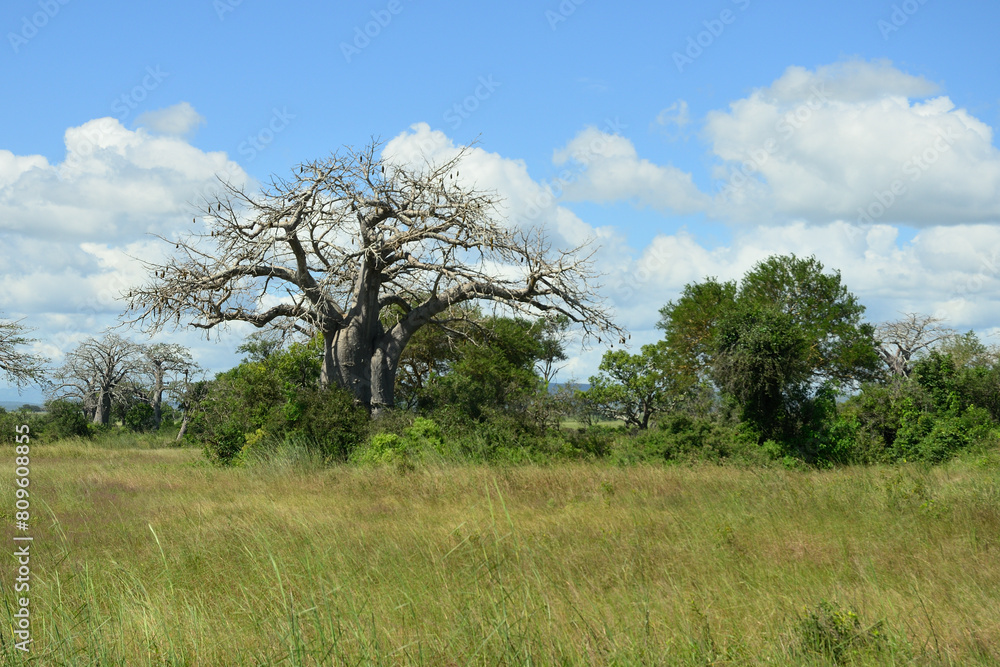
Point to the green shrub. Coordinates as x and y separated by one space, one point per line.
381 449
225 444
420 441
327 421
139 418
683 438
835 632
65 419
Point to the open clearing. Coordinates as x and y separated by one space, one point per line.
150 557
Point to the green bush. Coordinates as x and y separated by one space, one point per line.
65 419
139 418
274 403
836 633
683 438
327 420
420 441
225 443
381 449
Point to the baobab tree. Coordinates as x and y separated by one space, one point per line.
97 372
900 341
17 366
164 363
363 251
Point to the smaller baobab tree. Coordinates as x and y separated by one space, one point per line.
98 372
364 251
165 364
16 366
899 342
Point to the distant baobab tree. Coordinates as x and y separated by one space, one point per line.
98 373
363 251
900 341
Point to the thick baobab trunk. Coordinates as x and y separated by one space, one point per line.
350 365
156 397
384 363
102 410
348 351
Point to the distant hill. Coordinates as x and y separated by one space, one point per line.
14 405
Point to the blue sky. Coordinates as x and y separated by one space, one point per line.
671 100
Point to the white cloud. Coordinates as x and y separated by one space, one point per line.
113 184
70 231
611 170
850 81
179 120
953 272
524 201
846 142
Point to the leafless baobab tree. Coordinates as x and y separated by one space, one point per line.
899 341
97 371
164 363
363 251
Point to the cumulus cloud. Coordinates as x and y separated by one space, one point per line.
114 183
847 142
952 272
611 170
179 120
524 202
72 232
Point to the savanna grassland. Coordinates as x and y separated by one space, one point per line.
145 555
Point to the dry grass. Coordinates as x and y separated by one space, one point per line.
148 557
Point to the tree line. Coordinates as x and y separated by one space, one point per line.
371 283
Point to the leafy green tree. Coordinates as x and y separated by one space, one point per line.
140 418
429 353
492 370
689 324
841 346
66 419
758 361
551 333
770 343
635 387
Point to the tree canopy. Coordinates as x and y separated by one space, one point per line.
771 341
342 240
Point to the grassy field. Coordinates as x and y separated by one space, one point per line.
146 556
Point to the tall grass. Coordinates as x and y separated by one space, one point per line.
147 556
